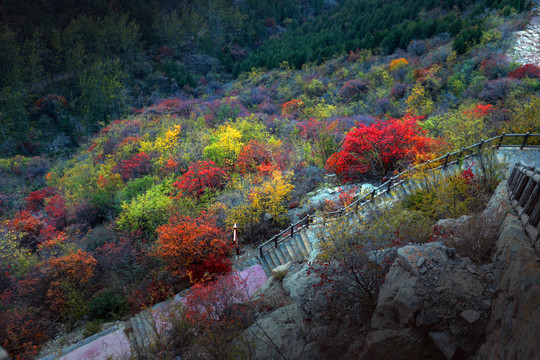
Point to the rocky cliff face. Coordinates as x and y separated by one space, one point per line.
434 304
514 324
432 296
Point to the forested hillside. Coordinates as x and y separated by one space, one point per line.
70 67
144 208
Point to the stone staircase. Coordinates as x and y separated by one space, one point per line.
142 333
299 246
302 244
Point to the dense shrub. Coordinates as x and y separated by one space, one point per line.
201 177
352 88
496 90
380 148
530 70
134 167
417 47
399 90
193 248
108 305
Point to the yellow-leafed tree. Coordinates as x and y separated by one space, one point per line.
263 207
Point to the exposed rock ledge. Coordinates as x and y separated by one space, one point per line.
433 297
434 303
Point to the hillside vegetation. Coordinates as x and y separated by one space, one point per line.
145 207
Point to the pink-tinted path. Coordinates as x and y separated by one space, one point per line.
115 345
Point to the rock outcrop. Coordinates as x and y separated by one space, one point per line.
527 47
280 333
434 297
514 324
3 354
431 296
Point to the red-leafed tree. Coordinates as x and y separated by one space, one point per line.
135 166
34 229
194 248
530 70
380 148
200 177
56 211
209 306
36 199
252 156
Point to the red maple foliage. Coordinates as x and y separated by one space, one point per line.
200 177
480 110
291 106
194 248
252 156
56 211
36 200
134 167
380 148
529 70
33 228
21 331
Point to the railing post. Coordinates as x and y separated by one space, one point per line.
261 251
525 140
500 141
292 230
446 160
235 240
480 144
389 184
373 195
276 241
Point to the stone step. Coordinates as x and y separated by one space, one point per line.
279 255
288 247
266 267
307 240
272 257
295 246
150 328
300 247
135 337
139 332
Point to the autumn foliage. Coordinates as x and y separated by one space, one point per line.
193 248
380 148
201 176
398 63
135 166
252 156
530 70
69 274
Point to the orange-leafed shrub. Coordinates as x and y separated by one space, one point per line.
291 106
254 155
398 63
69 276
193 248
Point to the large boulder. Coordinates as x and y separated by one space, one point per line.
431 297
299 285
280 334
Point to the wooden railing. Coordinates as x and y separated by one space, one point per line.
442 162
524 189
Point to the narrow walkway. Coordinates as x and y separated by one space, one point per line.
114 343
